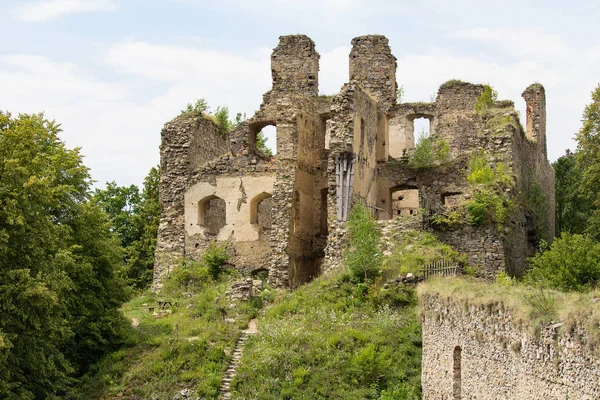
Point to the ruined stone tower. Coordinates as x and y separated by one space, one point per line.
286 214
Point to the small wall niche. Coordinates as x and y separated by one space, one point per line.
212 214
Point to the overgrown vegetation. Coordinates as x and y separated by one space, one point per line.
333 338
338 337
221 117
429 153
187 346
490 203
486 100
571 263
414 249
134 218
363 257
529 306
451 83
61 269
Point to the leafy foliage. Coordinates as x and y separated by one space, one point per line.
489 203
486 100
215 257
588 160
134 218
261 144
363 257
400 94
572 263
572 207
61 275
429 153
199 107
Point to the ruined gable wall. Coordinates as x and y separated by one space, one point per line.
186 141
500 358
373 66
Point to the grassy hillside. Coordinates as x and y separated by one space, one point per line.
334 338
188 348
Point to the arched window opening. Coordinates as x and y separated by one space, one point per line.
456 373
262 138
261 207
422 127
261 273
211 214
404 201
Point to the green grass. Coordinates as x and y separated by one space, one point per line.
336 339
189 348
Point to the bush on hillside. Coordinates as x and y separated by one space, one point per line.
572 263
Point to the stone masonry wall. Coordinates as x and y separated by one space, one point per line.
374 67
481 352
186 141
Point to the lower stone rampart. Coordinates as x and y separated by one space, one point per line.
481 350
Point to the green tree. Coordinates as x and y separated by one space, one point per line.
135 218
60 266
140 253
572 263
429 153
121 203
588 160
572 208
363 257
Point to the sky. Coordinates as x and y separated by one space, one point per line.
112 72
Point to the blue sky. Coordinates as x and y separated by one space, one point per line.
114 71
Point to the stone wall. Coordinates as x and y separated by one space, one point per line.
373 66
474 350
281 212
402 136
186 142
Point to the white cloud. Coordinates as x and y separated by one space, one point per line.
118 122
519 41
44 10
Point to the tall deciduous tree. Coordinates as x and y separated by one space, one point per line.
588 160
60 266
572 208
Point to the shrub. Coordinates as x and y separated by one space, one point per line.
215 257
199 107
187 276
428 153
486 100
489 203
363 257
423 156
572 263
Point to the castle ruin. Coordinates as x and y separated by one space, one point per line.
286 213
